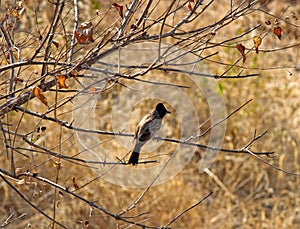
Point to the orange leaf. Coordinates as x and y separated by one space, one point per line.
278 32
241 49
257 41
84 33
38 93
15 13
61 80
119 9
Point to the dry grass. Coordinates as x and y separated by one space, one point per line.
252 195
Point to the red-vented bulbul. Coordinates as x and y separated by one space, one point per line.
146 129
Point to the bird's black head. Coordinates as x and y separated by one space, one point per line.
162 111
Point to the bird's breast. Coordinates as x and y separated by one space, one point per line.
154 126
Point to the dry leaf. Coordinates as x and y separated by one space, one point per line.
119 9
15 13
61 81
18 79
74 183
257 41
58 203
278 32
38 93
241 49
84 33
59 198
190 7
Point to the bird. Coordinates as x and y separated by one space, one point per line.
146 129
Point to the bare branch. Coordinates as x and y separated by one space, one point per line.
188 209
77 196
70 54
29 202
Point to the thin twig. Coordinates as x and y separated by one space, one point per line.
71 127
186 210
127 17
9 219
12 60
224 119
246 148
70 53
4 139
77 196
131 206
271 165
30 202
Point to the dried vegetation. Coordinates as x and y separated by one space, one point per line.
247 193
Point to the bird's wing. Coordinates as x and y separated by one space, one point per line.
138 128
141 123
143 132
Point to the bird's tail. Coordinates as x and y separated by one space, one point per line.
134 158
